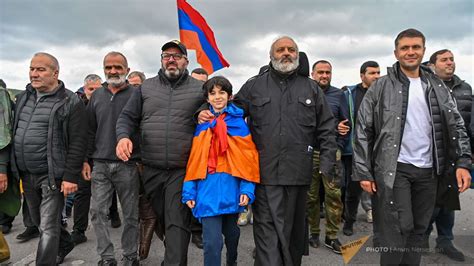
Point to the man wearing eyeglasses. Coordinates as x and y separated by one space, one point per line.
162 108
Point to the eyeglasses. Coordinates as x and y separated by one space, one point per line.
167 56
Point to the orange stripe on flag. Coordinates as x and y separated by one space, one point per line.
191 39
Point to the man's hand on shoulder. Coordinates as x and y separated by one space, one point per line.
205 116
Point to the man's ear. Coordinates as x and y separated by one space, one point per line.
231 97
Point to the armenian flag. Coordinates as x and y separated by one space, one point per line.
196 34
226 145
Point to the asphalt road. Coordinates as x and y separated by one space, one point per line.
85 254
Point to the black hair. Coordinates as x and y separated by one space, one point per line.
321 62
3 84
365 65
219 81
409 33
200 71
434 56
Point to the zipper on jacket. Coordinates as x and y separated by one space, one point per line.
168 126
433 131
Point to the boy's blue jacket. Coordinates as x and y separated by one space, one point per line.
219 193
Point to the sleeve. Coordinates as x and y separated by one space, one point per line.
77 140
92 128
189 191
4 159
325 134
129 120
464 146
247 188
364 136
242 98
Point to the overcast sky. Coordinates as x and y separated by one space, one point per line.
347 33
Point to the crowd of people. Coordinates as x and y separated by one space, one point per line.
184 156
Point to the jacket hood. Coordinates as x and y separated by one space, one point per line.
230 109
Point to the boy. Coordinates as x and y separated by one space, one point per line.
217 191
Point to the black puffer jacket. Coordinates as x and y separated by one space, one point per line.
379 130
163 112
67 134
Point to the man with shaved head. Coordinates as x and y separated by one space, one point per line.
49 132
288 117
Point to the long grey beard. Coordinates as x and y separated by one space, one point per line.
285 67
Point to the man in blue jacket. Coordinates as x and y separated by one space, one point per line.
322 73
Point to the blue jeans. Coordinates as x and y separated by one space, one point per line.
212 230
122 177
444 219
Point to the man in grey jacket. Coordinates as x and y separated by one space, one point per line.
409 137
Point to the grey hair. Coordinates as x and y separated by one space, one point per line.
281 38
92 78
140 74
55 63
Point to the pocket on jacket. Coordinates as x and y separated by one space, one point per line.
306 112
260 111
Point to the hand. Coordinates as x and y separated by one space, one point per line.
124 149
86 171
342 128
463 178
244 200
3 183
191 203
68 188
205 116
368 186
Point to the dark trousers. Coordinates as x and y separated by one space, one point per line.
213 229
195 226
82 203
280 229
444 219
6 220
164 188
414 193
45 207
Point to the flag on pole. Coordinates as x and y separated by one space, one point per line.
196 34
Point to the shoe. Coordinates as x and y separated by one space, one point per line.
130 261
28 234
78 237
63 253
243 218
251 218
333 244
6 229
451 252
370 219
314 241
348 229
115 221
197 240
109 262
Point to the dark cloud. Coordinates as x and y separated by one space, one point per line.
343 31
